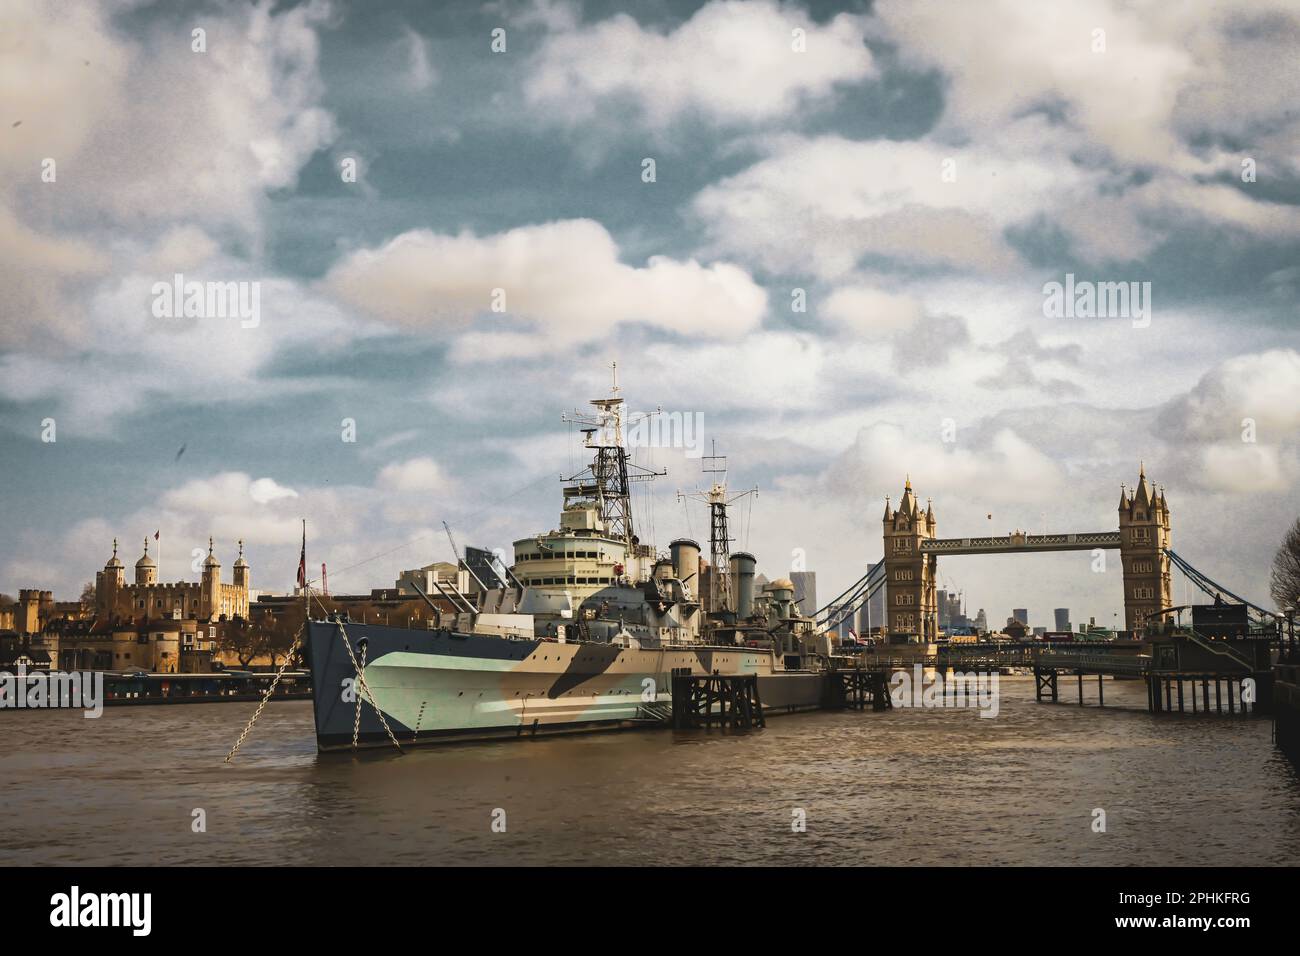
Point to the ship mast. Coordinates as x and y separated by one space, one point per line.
607 480
719 537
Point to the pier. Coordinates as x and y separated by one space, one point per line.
857 689
1179 665
734 701
729 700
1286 697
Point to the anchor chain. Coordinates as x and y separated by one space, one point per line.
365 688
361 684
297 639
356 720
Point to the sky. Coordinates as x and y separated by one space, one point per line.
837 259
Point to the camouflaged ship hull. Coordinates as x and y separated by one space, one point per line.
438 685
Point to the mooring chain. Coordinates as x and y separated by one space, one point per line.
297 638
356 721
365 688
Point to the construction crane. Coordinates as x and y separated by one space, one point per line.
454 550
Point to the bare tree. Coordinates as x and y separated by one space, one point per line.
88 595
277 636
1285 582
239 638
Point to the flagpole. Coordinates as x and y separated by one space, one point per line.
302 571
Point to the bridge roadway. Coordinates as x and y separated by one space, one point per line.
1021 542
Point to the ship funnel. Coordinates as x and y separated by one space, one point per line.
742 584
686 562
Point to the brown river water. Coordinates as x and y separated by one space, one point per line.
901 787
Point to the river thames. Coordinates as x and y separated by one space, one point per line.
900 787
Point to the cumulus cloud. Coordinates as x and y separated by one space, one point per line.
181 248
562 279
731 61
138 359
232 490
221 128
1028 363
821 205
1140 81
1039 134
42 276
1004 59
420 74
1247 469
1005 469
1259 388
414 475
1238 428
412 491
867 309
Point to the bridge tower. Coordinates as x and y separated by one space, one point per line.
1143 538
911 600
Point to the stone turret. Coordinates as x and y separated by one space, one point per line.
210 587
146 569
1144 538
109 584
241 568
911 598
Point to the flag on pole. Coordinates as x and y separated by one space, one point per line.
302 559
155 535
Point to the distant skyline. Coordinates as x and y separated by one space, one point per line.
841 263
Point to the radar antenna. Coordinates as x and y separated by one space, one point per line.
719 537
607 480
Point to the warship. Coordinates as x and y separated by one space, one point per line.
584 630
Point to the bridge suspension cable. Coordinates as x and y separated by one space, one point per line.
852 607
836 607
1210 587
855 587
838 612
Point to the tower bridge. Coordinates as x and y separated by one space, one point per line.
909 571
